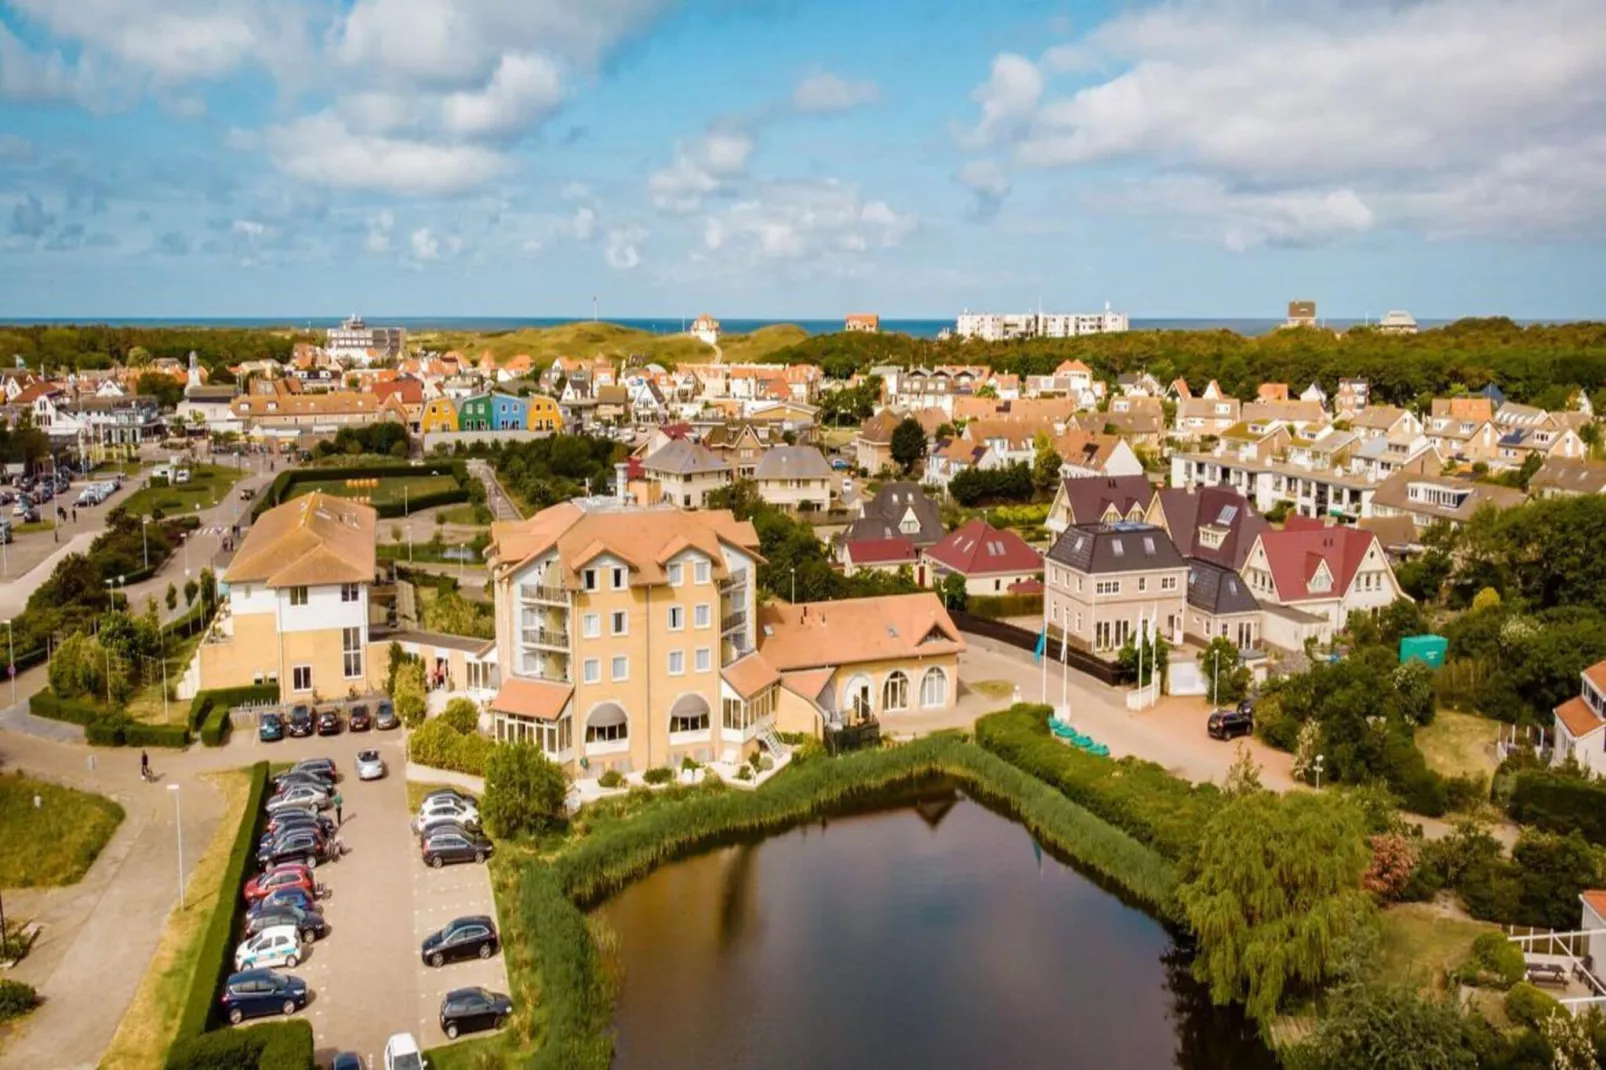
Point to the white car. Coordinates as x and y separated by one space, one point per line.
370 766
277 945
402 1053
450 811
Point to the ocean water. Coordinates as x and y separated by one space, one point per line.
915 328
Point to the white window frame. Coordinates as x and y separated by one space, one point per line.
705 659
619 622
591 671
619 668
296 672
621 577
703 572
703 617
677 574
926 678
351 655
589 579
350 592
298 596
677 663
591 625
677 618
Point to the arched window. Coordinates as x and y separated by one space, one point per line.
689 714
856 698
895 692
608 723
934 688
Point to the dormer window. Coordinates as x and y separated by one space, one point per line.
1211 537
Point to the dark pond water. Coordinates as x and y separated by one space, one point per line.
929 936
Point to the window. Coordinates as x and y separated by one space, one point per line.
895 692
705 659
703 571
298 596
351 651
1107 587
621 667
693 723
607 733
348 592
677 618
619 578
1101 635
1143 584
1168 583
934 688
677 663
619 622
677 574
592 625
301 678
704 615
590 576
593 671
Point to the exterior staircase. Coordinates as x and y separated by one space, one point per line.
772 743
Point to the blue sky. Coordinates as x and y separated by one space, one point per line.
773 158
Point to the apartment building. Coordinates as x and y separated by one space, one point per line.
1382 421
794 477
338 408
304 597
1103 582
1428 498
997 327
872 447
1198 417
1561 477
1084 453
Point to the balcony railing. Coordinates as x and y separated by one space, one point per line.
731 622
548 593
549 637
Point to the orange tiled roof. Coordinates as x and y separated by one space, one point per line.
309 541
750 675
814 635
540 699
1579 719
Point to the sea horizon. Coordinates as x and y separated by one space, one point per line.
1248 326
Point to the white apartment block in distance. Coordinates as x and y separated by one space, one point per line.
1001 327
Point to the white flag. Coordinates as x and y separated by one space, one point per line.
1065 635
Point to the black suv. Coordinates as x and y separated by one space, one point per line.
461 939
360 720
1225 724
300 721
466 1009
329 722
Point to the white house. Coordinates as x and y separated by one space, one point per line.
705 329
1579 721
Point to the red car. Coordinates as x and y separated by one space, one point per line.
289 875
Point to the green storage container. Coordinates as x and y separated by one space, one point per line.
1428 649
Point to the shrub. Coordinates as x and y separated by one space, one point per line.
611 779
659 774
120 730
689 764
524 791
1394 861
16 999
764 764
216 959
1499 957
744 772
462 715
282 1045
408 694
995 606
1529 1006
437 744
1559 803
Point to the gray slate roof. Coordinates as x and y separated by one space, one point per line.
684 458
1095 549
792 462
1218 590
883 515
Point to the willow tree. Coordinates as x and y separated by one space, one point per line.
1276 898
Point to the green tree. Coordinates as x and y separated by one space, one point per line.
1552 871
1275 896
167 390
408 694
524 791
1387 1028
1226 676
1487 598
171 598
462 714
953 591
1046 465
908 444
191 589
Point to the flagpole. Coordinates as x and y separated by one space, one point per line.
1140 657
1065 679
1155 698
1044 658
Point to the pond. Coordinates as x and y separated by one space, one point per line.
934 935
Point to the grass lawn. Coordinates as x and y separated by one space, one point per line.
208 485
1420 943
55 844
37 525
467 513
837 437
148 1026
386 490
580 339
760 343
146 703
1459 743
992 688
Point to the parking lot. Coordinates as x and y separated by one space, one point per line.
367 978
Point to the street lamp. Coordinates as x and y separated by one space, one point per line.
178 821
11 659
793 571
1318 772
145 539
1215 681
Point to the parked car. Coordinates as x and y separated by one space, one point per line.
841 464
370 766
324 767
302 845
301 795
1226 724
257 993
462 938
454 810
402 1053
428 826
346 1060
448 793
465 1010
288 820
329 722
286 876
359 720
246 494
270 729
385 717
278 945
454 844
294 896
292 779
300 720
23 507
308 923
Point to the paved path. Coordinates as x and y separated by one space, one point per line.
496 497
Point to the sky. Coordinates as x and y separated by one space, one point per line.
791 159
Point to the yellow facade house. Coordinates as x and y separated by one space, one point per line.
542 414
298 602
440 414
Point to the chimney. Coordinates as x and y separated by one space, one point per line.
621 482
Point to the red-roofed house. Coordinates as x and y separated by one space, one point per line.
878 555
1579 721
990 560
1309 578
410 392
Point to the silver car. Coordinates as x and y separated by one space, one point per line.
370 766
302 796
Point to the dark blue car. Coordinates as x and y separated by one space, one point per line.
259 993
279 897
271 728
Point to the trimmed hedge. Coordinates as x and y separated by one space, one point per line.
544 925
107 728
281 1045
1156 808
216 960
277 491
209 710
998 606
437 744
1559 803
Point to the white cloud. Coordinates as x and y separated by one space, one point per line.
321 149
1293 121
583 223
1243 220
699 169
523 88
46 77
713 233
990 183
621 252
379 227
426 246
827 92
805 221
250 228
575 191
1007 99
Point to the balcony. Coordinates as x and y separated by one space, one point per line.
732 622
547 594
555 638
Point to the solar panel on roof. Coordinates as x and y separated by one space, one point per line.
1228 512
